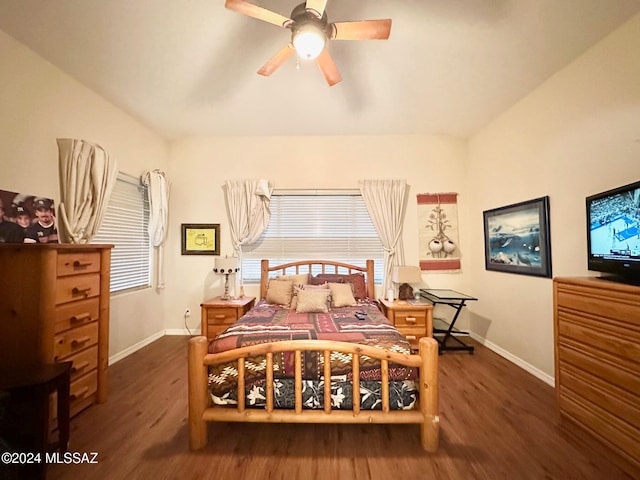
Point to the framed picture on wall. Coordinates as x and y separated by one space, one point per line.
517 239
200 239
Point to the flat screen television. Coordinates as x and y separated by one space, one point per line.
613 233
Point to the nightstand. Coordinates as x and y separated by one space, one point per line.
413 321
218 314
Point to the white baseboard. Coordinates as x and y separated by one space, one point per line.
134 348
181 331
549 380
143 343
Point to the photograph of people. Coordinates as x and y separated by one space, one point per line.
9 232
23 217
44 229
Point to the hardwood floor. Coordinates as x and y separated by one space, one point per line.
497 422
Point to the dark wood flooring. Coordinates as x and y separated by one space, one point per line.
497 422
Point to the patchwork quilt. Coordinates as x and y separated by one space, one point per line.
363 324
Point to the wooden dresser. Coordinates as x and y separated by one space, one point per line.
54 306
597 363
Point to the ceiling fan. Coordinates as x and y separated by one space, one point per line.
310 31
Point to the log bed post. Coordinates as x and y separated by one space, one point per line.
429 428
198 395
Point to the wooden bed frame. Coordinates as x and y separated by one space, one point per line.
426 361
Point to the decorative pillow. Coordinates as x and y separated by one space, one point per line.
322 278
298 288
313 301
301 279
280 292
359 286
341 295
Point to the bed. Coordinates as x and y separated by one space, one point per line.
280 356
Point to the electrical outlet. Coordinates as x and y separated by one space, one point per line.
187 312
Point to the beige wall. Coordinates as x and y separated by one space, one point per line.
199 167
39 103
576 135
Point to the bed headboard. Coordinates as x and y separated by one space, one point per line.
315 267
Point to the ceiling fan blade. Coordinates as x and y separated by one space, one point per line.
317 6
364 30
329 68
255 11
277 60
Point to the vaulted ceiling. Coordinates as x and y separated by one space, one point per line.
188 67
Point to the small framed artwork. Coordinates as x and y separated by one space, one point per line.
200 239
517 238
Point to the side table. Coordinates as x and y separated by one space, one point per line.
413 321
218 314
27 425
444 331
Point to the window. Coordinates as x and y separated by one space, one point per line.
125 225
316 226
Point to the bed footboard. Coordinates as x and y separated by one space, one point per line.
200 410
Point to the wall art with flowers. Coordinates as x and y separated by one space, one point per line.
438 239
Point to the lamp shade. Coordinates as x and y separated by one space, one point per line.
226 265
308 41
406 274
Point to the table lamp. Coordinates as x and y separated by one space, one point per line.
226 266
405 275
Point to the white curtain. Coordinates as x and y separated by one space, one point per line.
386 202
87 176
248 211
158 194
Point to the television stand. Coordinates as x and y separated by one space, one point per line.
445 332
620 279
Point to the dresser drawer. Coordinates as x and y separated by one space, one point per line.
74 263
612 341
222 316
77 287
409 319
622 403
213 331
82 392
412 334
74 314
74 340
83 362
620 307
606 367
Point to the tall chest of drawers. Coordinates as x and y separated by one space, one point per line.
597 363
54 306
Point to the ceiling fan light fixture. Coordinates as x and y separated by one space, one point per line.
309 41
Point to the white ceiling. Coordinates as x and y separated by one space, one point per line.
188 67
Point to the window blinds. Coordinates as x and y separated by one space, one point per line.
315 226
125 225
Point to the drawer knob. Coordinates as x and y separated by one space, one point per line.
220 316
81 291
80 366
411 337
79 264
80 317
81 393
411 319
80 341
